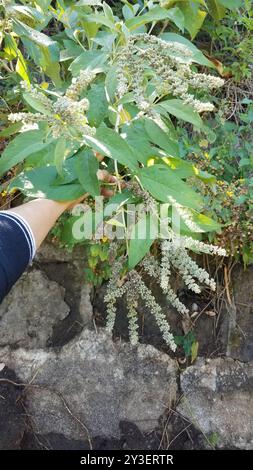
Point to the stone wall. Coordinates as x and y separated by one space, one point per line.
64 384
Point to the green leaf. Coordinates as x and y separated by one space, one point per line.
141 238
157 14
60 154
44 51
194 17
43 157
111 82
86 168
13 51
231 4
194 351
175 15
128 11
12 129
186 169
30 14
138 139
216 8
71 51
10 47
160 138
163 183
110 143
197 55
105 39
100 19
68 171
117 201
108 12
177 108
53 71
39 182
21 147
98 104
49 47
21 67
90 60
44 4
205 223
36 104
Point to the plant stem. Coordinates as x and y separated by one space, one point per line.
119 109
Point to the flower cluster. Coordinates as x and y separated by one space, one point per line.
201 247
174 255
167 65
135 290
113 293
65 116
185 214
149 202
185 265
79 84
162 273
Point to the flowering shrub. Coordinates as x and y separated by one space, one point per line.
113 104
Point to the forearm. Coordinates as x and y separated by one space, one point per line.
40 215
22 230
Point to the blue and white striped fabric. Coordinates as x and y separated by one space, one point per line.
17 249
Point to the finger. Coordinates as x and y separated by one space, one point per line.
77 201
106 192
99 157
103 175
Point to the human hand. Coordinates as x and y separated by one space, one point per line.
105 177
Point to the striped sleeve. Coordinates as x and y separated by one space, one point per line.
17 249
